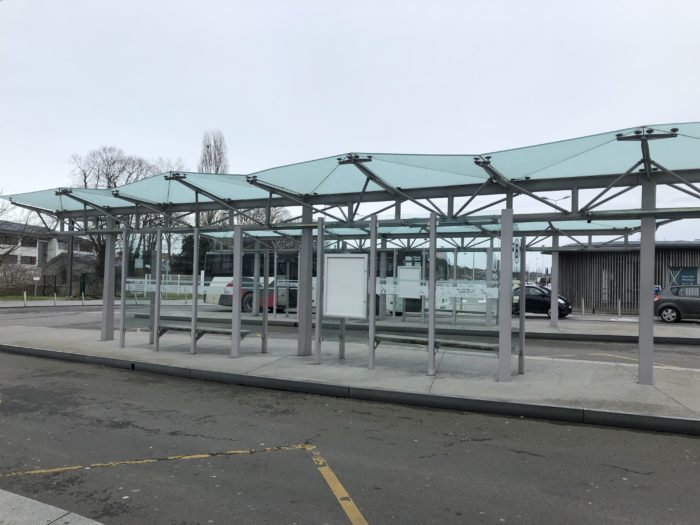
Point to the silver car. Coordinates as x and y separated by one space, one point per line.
677 302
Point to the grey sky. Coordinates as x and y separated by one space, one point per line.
289 81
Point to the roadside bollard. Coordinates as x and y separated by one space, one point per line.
25 298
583 307
82 297
619 308
54 298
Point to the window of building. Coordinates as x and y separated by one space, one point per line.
8 259
26 259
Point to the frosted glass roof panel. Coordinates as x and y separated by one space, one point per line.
309 177
599 154
415 171
160 191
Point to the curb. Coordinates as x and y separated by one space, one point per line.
502 408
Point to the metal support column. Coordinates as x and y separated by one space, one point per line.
195 290
256 280
123 298
265 301
423 277
236 291
554 287
156 292
646 285
69 261
107 324
489 279
522 309
432 244
382 275
372 290
505 296
454 277
341 339
396 283
274 286
319 290
304 301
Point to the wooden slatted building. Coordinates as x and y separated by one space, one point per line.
604 275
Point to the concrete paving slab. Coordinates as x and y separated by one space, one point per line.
553 388
18 510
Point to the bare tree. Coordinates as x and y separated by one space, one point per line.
109 167
214 156
213 159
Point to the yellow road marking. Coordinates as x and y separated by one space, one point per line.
112 464
344 499
341 495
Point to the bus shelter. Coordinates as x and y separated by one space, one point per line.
454 195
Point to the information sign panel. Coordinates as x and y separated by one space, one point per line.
345 285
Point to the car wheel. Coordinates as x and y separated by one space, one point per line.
549 313
668 314
247 303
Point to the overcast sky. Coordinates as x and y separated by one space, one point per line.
289 81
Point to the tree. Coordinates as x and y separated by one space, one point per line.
109 167
213 158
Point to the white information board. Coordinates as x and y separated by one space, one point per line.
409 286
345 285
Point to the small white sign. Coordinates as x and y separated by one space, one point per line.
36 278
345 285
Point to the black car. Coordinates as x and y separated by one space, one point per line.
677 302
538 301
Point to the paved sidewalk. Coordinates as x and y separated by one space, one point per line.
565 389
18 510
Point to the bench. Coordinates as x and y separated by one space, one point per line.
187 327
423 341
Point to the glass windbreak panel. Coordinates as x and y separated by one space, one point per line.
139 286
466 291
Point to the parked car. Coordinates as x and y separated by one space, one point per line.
677 302
538 301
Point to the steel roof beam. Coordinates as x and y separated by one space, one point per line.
107 211
485 164
180 177
359 163
148 205
295 197
562 184
682 179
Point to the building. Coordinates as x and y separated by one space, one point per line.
606 277
31 245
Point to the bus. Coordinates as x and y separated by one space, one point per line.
218 282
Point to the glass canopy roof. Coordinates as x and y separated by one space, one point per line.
600 154
576 227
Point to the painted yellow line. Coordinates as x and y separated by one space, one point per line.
341 495
344 499
112 464
45 471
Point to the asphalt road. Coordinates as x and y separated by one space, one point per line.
153 449
686 356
